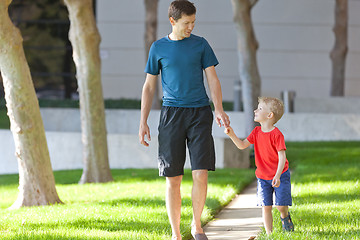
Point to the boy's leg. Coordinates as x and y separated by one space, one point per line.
283 195
265 199
284 211
267 218
173 204
287 224
284 200
198 197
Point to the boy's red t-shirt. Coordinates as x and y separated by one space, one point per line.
266 147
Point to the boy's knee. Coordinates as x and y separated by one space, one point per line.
282 208
267 208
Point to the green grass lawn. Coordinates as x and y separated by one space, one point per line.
326 192
326 201
131 207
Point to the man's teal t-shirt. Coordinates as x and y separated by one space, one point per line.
181 64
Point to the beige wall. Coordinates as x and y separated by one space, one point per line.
295 40
125 151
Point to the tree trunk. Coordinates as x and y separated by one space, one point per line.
248 70
338 53
151 9
85 40
36 179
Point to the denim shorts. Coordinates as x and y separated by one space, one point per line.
181 127
265 191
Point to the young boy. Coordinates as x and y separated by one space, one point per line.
272 167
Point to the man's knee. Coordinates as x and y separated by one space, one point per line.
200 176
173 182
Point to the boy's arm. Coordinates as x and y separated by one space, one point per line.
241 144
281 164
216 96
146 102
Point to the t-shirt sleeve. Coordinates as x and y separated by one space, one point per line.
251 137
208 57
153 64
280 142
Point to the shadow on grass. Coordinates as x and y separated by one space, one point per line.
135 202
9 179
61 177
237 178
65 177
317 221
213 204
349 234
317 224
326 174
325 198
105 225
221 177
32 236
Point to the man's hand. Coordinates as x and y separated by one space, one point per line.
144 130
222 119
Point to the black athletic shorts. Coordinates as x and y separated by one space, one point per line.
178 127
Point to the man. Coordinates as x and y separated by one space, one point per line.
186 116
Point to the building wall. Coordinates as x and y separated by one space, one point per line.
295 39
125 151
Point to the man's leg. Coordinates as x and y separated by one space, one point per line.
173 204
199 191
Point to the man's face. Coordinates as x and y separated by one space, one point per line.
183 26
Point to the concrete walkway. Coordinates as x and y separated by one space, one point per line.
241 219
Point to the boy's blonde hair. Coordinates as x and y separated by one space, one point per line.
275 105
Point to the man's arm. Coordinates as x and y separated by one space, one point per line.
216 96
146 102
281 164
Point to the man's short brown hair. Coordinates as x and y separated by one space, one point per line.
275 105
179 7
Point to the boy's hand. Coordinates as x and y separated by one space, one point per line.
276 182
228 130
240 144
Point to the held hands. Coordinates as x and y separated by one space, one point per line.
228 130
222 119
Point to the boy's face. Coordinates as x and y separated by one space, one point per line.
262 113
183 26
